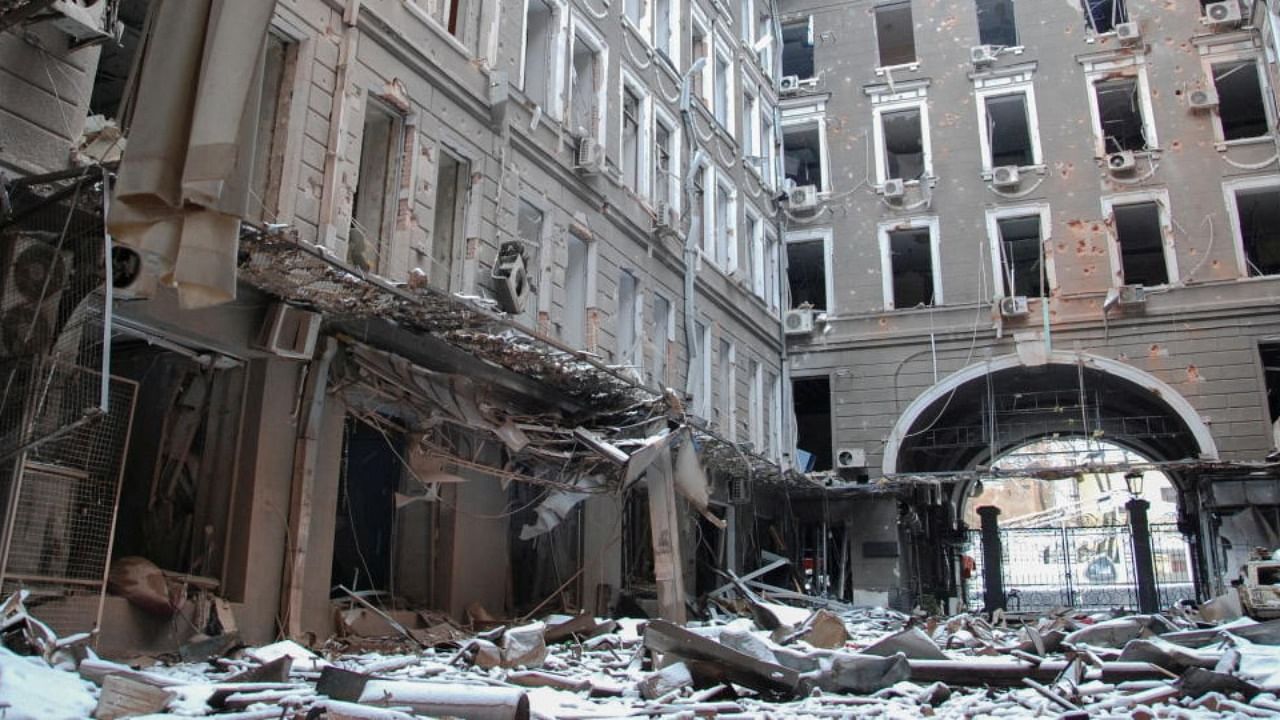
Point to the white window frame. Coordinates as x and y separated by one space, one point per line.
825 235
875 29
755 404
750 137
994 216
769 146
666 336
1004 86
580 28
642 27
1099 69
555 86
883 231
722 181
885 103
801 117
1229 189
700 23
675 27
746 24
722 50
644 133
703 403
756 249
773 274
775 415
1161 198
546 260
1221 53
634 356
675 183
729 405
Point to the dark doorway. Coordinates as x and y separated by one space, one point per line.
365 528
812 400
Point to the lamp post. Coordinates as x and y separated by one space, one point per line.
1140 535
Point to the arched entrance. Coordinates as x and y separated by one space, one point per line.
958 430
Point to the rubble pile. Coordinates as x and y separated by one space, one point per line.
772 661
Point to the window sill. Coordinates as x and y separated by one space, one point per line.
1224 145
1038 169
913 66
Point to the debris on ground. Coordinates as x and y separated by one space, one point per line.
852 663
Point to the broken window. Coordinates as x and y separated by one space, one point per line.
365 525
373 203
702 218
755 253
811 398
629 321
895 34
268 157
750 127
539 46
700 383
726 219
1021 251
1242 111
585 83
755 405
663 163
453 178
767 145
797 49
1120 114
529 227
911 265
663 26
902 136
630 139
995 23
116 61
1009 130
1270 355
772 280
1140 237
802 154
807 273
663 327
727 372
1258 215
574 317
723 81
700 43
1102 16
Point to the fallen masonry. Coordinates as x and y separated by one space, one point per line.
578 667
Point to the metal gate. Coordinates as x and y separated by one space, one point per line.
1082 567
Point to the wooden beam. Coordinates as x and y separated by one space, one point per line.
664 524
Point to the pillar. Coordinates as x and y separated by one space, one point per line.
1144 567
992 559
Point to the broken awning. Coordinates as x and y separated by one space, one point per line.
184 179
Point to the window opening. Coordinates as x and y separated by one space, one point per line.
630 139
267 157
911 260
723 76
1120 114
585 84
1022 257
812 402
767 152
1102 16
807 273
750 126
802 155
662 181
1270 354
755 254
895 34
661 338
575 293
701 48
629 320
1009 131
635 11
726 371
1258 212
772 279
724 222
662 26
371 204
539 33
797 49
1241 108
996 24
700 387
452 178
1140 236
773 435
116 61
903 144
529 225
755 404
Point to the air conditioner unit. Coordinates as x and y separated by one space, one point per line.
1006 176
589 157
289 332
664 218
802 197
1204 99
511 277
789 83
851 458
82 20
1133 295
798 321
739 491
982 55
894 188
1122 162
36 275
1128 33
1223 15
1014 306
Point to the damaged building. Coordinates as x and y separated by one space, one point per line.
493 309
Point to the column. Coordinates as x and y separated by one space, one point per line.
992 558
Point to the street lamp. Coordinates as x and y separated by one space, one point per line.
1133 482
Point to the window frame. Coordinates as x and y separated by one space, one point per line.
644 131
581 29
675 29
1138 197
875 27
721 180
698 21
1230 189
1100 70
543 296
634 356
753 231
728 406
800 116
556 91
987 89
1013 212
825 236
675 183
883 232
723 50
668 337
1235 53
885 107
